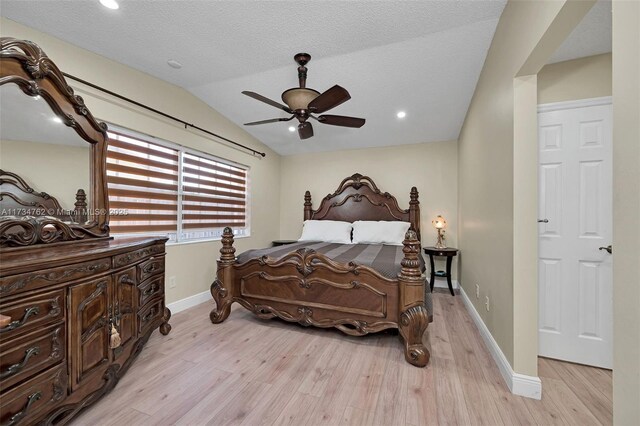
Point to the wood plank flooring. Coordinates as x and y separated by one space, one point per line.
285 374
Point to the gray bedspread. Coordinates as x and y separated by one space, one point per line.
383 258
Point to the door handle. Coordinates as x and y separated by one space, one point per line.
543 220
608 248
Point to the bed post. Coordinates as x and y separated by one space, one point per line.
222 287
414 318
414 211
307 205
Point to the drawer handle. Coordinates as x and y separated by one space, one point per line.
15 368
151 268
34 310
150 315
20 415
126 280
151 290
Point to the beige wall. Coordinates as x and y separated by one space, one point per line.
193 265
431 167
527 34
626 212
582 78
58 170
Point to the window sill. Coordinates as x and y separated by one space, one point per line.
203 240
179 243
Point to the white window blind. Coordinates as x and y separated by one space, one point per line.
162 189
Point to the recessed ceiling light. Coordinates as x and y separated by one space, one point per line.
110 4
401 114
292 129
57 120
174 64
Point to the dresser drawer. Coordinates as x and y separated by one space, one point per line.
128 276
26 402
151 267
132 257
23 357
33 312
149 315
46 277
150 289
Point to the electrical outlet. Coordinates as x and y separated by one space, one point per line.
477 291
487 303
172 282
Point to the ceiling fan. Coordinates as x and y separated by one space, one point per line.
302 102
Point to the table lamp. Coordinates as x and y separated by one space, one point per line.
439 223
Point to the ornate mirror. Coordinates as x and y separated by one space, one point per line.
52 154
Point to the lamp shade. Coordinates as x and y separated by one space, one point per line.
299 98
439 222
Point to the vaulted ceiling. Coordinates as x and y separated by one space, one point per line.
420 57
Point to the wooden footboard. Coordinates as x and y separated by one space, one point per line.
309 288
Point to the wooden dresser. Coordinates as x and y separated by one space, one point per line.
76 305
55 354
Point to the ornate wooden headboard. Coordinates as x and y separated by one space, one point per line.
358 198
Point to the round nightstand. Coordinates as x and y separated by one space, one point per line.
277 243
450 253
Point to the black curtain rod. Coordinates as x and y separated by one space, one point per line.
141 105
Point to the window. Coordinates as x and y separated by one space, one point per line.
162 188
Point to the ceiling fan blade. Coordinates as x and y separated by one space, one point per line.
329 99
268 101
305 130
341 120
273 120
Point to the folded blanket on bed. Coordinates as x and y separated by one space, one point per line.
383 258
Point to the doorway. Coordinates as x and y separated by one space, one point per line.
575 318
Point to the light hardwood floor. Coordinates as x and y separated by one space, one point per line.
280 373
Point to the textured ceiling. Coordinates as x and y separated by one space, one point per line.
422 57
592 36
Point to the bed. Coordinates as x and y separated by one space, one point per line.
358 290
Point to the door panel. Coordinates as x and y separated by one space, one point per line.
551 201
89 322
125 308
575 280
550 274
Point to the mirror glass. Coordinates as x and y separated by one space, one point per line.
37 146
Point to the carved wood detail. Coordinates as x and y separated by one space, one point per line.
11 284
25 64
58 270
304 315
359 198
128 258
311 289
413 324
40 200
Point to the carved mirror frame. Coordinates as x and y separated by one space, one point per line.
24 63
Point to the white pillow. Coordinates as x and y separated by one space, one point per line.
381 232
328 231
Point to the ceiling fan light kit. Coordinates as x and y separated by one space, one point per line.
301 102
299 98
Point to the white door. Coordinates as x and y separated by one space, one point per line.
575 294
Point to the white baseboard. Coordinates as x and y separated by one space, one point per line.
189 302
519 384
442 283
